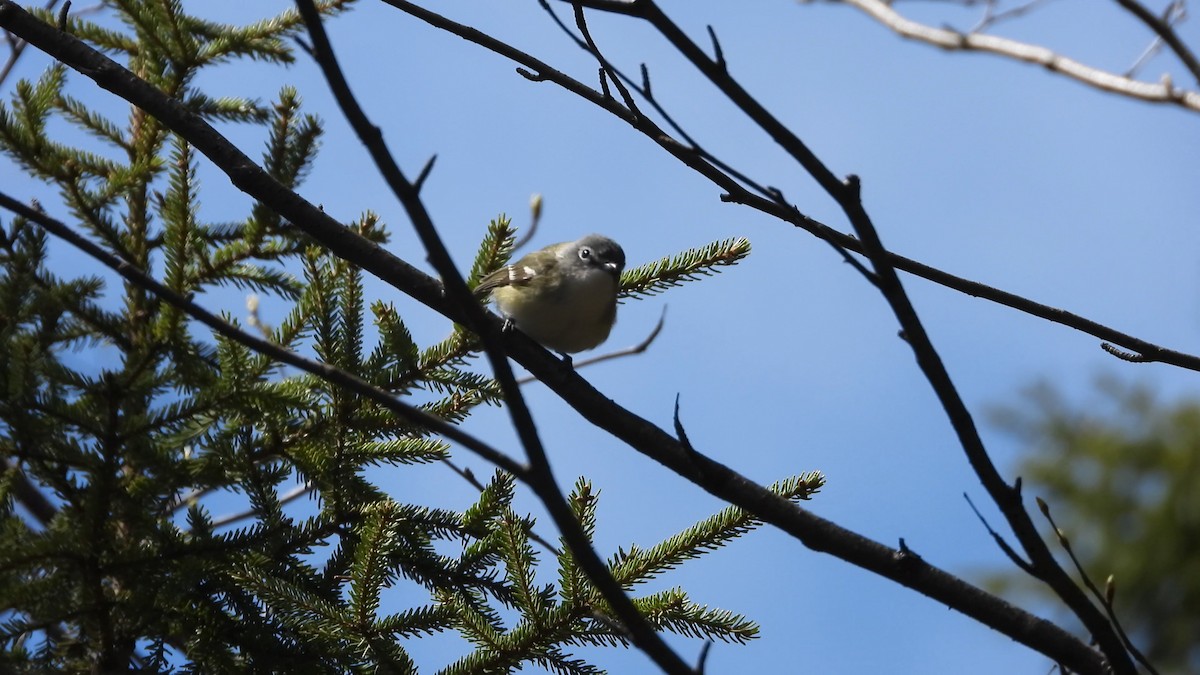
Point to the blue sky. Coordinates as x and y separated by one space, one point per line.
789 362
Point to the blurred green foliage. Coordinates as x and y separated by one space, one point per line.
1120 474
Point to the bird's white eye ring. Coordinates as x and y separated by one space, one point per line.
585 253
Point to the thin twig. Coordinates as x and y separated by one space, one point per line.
1166 32
539 476
1103 80
303 490
17 47
702 660
1103 598
469 476
847 195
63 14
680 432
772 205
991 17
631 350
1045 567
546 73
535 219
719 480
644 90
1147 54
1004 545
718 53
605 66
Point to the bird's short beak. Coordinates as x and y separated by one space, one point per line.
610 267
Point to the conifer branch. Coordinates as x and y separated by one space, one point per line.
639 565
654 278
321 370
672 610
494 250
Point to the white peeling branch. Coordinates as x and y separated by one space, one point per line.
1163 91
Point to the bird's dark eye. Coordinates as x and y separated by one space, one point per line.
585 253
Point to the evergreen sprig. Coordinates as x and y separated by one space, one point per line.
637 565
654 278
494 250
574 613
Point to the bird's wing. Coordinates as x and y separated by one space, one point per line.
516 274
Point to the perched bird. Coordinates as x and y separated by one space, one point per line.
563 296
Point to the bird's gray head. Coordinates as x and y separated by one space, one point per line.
600 252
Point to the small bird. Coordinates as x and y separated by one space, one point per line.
563 296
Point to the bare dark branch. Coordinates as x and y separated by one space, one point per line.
1000 542
773 203
17 47
1165 32
62 15
539 476
1044 565
813 531
718 53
